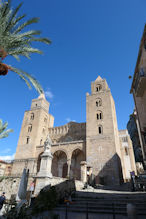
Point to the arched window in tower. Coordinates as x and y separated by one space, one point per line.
32 116
98 87
30 128
99 115
98 102
41 141
27 140
45 119
100 129
44 130
126 151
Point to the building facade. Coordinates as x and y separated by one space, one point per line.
96 142
138 89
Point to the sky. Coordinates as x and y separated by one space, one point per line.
89 38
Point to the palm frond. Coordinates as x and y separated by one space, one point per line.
14 13
22 26
3 132
24 76
24 51
11 35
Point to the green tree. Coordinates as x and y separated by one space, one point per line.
14 41
3 132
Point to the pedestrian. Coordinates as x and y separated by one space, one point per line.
2 200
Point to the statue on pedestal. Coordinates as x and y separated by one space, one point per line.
47 144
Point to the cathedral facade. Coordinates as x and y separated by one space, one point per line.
107 152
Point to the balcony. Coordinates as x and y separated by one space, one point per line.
140 82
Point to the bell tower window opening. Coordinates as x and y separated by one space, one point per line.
98 87
98 102
27 140
99 116
126 151
32 116
100 131
44 130
41 141
29 128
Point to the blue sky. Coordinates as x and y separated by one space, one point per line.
89 38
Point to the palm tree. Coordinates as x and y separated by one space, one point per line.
3 132
15 42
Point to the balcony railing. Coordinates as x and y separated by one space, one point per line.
140 82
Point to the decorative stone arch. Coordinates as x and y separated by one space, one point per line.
59 164
76 158
60 149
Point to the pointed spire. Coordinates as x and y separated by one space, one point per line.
98 78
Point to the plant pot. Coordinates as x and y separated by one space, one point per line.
3 69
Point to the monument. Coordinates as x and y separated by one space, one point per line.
44 174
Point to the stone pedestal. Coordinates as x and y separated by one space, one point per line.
44 176
83 171
45 167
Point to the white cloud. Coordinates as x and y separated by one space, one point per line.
7 157
49 94
70 120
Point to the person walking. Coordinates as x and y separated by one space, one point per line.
2 200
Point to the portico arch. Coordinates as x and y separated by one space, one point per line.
77 157
39 162
59 164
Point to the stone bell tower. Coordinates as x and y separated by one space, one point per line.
33 133
102 140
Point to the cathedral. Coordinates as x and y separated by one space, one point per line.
96 143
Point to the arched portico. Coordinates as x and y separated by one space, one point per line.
77 157
39 162
59 164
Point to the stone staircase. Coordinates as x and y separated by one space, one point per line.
104 205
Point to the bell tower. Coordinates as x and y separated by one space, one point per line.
102 139
33 133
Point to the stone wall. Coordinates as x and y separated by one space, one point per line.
10 185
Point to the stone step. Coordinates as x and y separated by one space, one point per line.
116 205
110 200
103 211
107 206
78 208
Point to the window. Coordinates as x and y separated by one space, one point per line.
45 119
41 141
126 151
98 87
32 116
100 131
27 140
44 131
125 139
99 115
29 128
98 102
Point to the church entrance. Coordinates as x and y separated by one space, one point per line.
77 157
59 164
